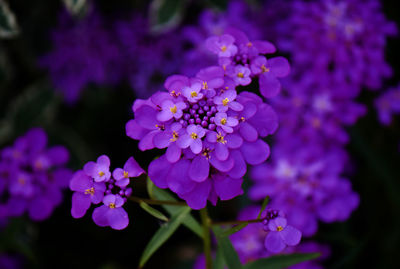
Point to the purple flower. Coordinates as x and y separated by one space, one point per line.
170 110
111 213
112 193
192 138
225 122
99 171
192 92
131 169
281 235
86 192
227 100
222 45
240 74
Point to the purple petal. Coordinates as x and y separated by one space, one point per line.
274 243
184 141
80 204
178 179
80 182
269 85
158 171
233 141
134 130
90 169
227 187
146 142
58 155
117 218
40 208
256 152
197 198
118 173
248 132
133 168
99 189
199 169
291 236
239 169
223 166
99 215
279 66
221 151
173 153
196 146
146 117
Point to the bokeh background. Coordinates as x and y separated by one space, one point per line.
95 125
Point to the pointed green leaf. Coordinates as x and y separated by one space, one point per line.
152 211
263 206
233 230
228 252
281 261
162 235
8 23
190 222
219 261
165 14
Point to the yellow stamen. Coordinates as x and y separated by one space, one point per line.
89 191
242 119
279 228
249 44
126 175
193 94
225 101
223 48
111 205
173 109
264 69
194 136
173 93
205 85
223 121
220 138
240 75
161 127
174 136
101 173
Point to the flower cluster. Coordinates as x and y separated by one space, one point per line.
388 104
210 133
32 176
257 240
345 38
95 184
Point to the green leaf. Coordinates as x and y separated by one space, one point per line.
165 14
228 252
219 261
233 230
162 235
281 261
8 23
263 206
190 222
152 211
76 7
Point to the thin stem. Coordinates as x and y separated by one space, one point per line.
156 202
206 236
235 222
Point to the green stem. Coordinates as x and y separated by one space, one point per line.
206 236
155 202
235 222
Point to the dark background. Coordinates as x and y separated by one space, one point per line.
96 125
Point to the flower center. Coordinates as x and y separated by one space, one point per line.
223 48
223 121
264 69
160 126
220 138
193 94
21 181
101 173
249 44
194 136
126 175
279 228
174 136
89 191
173 109
205 85
240 75
225 101
111 205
